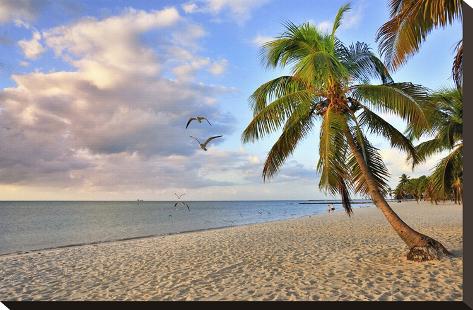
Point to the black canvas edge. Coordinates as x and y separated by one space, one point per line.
467 302
468 153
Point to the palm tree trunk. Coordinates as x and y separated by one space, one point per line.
421 247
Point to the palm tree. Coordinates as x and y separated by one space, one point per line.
411 21
330 82
445 112
401 192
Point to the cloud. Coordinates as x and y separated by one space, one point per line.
189 7
24 10
397 164
350 20
32 48
325 26
237 10
218 67
116 120
354 16
260 40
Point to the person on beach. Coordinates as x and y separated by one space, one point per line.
330 208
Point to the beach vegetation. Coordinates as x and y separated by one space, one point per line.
330 84
409 25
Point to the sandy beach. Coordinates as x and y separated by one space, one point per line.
323 257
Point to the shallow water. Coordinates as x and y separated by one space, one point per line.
32 225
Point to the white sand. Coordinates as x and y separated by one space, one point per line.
326 257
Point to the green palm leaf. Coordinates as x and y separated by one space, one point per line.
332 150
402 99
447 170
273 116
375 124
374 161
338 18
296 128
271 90
362 63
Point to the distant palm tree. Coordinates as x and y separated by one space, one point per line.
330 82
411 21
445 112
401 190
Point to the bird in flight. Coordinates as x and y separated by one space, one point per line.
183 204
179 196
197 118
204 145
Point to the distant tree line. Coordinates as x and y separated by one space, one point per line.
422 188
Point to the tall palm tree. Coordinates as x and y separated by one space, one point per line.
330 82
411 21
445 112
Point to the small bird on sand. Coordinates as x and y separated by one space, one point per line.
197 118
204 145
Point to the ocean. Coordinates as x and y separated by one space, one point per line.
35 225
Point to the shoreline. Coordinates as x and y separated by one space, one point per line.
26 252
320 257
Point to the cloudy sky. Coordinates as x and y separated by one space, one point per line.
94 96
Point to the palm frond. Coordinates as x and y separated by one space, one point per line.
320 66
362 64
292 45
457 68
401 99
338 18
273 116
447 170
430 147
375 163
375 124
332 151
344 191
296 128
273 89
411 21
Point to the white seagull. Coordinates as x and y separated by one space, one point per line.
183 204
197 118
204 145
179 196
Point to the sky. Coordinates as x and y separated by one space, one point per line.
95 95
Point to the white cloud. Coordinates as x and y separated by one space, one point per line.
260 40
350 20
189 7
397 164
108 50
116 120
325 26
32 48
21 10
354 16
237 10
218 67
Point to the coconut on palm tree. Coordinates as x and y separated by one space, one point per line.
411 21
445 113
330 83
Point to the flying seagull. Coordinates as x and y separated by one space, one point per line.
204 145
179 196
183 204
197 118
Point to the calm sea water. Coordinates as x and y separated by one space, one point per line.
33 225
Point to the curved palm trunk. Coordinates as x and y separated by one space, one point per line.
421 247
